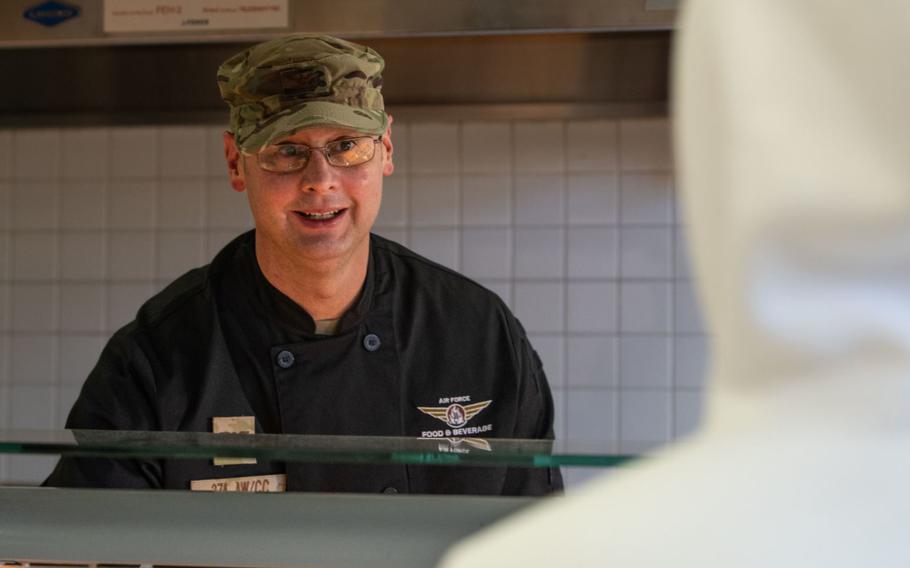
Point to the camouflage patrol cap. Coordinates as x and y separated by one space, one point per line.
287 84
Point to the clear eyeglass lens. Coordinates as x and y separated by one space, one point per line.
342 153
350 152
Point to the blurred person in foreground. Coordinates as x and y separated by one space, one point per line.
793 144
310 324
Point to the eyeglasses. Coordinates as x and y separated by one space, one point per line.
288 157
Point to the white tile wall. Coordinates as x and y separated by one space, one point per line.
486 147
647 198
181 204
134 152
540 199
645 362
83 204
487 253
5 204
573 223
86 153
593 252
81 307
593 145
645 419
486 199
434 148
6 154
33 205
539 147
540 306
132 204
645 307
593 307
647 252
35 256
592 418
593 361
645 145
5 271
442 245
593 199
540 252
36 154
83 255
434 200
394 210
178 252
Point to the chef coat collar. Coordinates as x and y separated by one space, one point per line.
290 317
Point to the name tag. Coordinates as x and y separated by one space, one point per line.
234 425
276 483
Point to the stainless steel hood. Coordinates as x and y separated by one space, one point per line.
496 58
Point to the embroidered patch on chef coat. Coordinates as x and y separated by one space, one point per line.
234 425
276 483
456 416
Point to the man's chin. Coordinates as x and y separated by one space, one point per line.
323 247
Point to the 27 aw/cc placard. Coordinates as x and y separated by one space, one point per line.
123 16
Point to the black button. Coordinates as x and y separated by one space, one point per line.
285 359
390 491
371 342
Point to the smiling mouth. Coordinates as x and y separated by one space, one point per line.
322 216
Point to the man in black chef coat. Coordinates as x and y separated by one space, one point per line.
309 324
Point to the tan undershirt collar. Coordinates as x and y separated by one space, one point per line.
326 327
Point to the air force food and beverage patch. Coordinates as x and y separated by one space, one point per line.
456 416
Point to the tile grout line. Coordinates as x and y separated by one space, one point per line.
617 421
156 212
56 291
513 203
6 410
459 189
674 432
566 280
105 231
108 198
205 222
409 189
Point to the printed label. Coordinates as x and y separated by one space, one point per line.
276 483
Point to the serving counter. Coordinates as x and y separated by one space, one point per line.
181 528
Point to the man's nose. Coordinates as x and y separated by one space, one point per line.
319 174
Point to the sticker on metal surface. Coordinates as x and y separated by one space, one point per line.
51 13
192 16
275 483
234 425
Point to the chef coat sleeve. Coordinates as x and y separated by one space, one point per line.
536 422
119 394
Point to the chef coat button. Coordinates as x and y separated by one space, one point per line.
390 491
285 359
371 342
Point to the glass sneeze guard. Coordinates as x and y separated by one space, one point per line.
468 451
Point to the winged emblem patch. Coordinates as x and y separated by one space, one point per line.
455 415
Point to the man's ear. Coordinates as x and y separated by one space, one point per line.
388 166
234 162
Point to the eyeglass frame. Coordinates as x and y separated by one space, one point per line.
322 150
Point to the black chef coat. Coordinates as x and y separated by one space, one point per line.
221 341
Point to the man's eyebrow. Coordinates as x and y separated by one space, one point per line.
336 139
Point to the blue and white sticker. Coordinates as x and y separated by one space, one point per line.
51 13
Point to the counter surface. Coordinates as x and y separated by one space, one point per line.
239 529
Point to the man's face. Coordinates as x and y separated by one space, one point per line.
290 209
